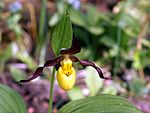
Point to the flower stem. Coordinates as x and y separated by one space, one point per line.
51 91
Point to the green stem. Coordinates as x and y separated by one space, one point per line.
51 91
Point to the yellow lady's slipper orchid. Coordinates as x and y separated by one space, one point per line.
64 65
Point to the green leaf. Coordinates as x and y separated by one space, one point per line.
92 14
100 104
77 17
146 43
107 41
75 93
6 54
54 19
92 80
62 33
84 20
11 101
13 23
60 4
96 30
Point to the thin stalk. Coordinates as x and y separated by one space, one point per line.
51 91
142 34
41 34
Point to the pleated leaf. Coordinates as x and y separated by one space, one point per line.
11 101
62 33
100 104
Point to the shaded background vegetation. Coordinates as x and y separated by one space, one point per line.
114 34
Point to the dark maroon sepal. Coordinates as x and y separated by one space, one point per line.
35 75
75 48
39 70
74 59
53 62
88 63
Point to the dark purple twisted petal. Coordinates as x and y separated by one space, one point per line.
35 75
75 48
40 69
88 63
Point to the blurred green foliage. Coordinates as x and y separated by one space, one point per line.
110 38
114 35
